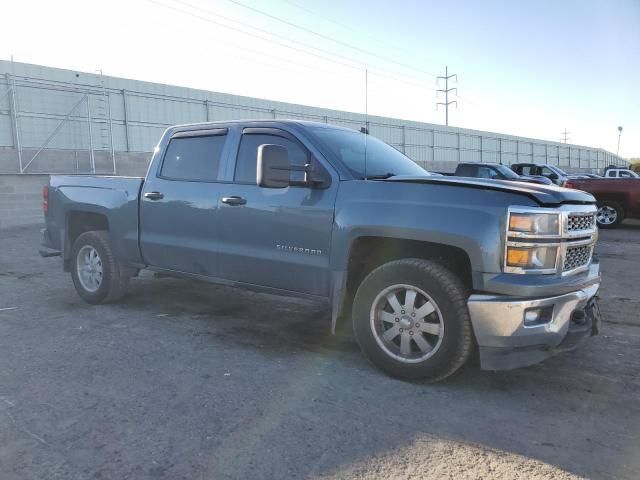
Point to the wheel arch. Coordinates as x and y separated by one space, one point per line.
369 252
78 222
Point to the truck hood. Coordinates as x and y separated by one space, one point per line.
545 195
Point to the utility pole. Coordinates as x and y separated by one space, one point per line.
565 138
619 135
446 91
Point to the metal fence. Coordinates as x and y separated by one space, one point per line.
46 108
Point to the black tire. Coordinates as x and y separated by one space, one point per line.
613 220
450 296
114 280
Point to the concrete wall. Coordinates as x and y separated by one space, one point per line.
21 195
21 199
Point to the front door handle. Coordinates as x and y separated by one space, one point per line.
234 200
154 195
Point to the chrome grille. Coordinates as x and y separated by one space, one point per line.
576 257
581 221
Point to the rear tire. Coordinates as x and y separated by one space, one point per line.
411 320
97 276
610 214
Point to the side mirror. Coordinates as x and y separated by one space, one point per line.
273 166
553 176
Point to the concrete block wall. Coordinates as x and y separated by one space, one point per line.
21 194
21 200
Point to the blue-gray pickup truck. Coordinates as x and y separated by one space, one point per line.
429 269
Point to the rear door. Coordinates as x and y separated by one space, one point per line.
276 237
179 205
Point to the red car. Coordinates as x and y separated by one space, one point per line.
618 198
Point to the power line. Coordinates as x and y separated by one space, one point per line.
446 91
361 67
346 27
565 136
327 37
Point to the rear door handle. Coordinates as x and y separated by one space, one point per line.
234 200
154 195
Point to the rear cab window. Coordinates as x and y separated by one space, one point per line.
194 157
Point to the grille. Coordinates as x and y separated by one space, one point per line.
585 221
577 257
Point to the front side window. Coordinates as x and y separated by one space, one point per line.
486 172
246 162
193 158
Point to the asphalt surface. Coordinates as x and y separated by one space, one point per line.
194 381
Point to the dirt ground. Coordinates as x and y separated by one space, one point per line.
194 381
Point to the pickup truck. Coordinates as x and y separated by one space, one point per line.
428 269
620 173
618 198
496 171
553 173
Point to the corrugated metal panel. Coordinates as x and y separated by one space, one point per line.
46 95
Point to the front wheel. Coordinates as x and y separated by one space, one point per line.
410 319
96 274
609 215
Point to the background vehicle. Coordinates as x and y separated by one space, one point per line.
427 268
620 173
553 173
617 199
496 171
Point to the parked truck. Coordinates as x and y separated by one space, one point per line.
618 198
496 171
428 269
553 173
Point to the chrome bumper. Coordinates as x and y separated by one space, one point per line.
505 341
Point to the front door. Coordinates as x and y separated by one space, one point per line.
276 237
179 205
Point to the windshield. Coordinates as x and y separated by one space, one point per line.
381 159
558 170
507 172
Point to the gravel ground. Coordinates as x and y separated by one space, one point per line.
188 380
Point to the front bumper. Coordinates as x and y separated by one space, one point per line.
506 342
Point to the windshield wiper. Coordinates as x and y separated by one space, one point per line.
382 176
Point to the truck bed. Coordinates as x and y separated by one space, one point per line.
113 199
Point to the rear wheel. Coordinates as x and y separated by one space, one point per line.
609 215
410 319
97 276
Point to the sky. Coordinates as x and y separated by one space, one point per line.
530 68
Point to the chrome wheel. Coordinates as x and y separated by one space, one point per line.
406 323
89 268
606 215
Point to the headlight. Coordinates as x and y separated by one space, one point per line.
535 223
532 258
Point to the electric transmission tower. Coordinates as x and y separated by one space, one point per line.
565 137
446 91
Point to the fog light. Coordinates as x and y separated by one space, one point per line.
538 316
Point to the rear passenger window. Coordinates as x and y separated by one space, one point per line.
246 162
193 158
466 171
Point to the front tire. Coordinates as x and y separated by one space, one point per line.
609 215
97 276
411 320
